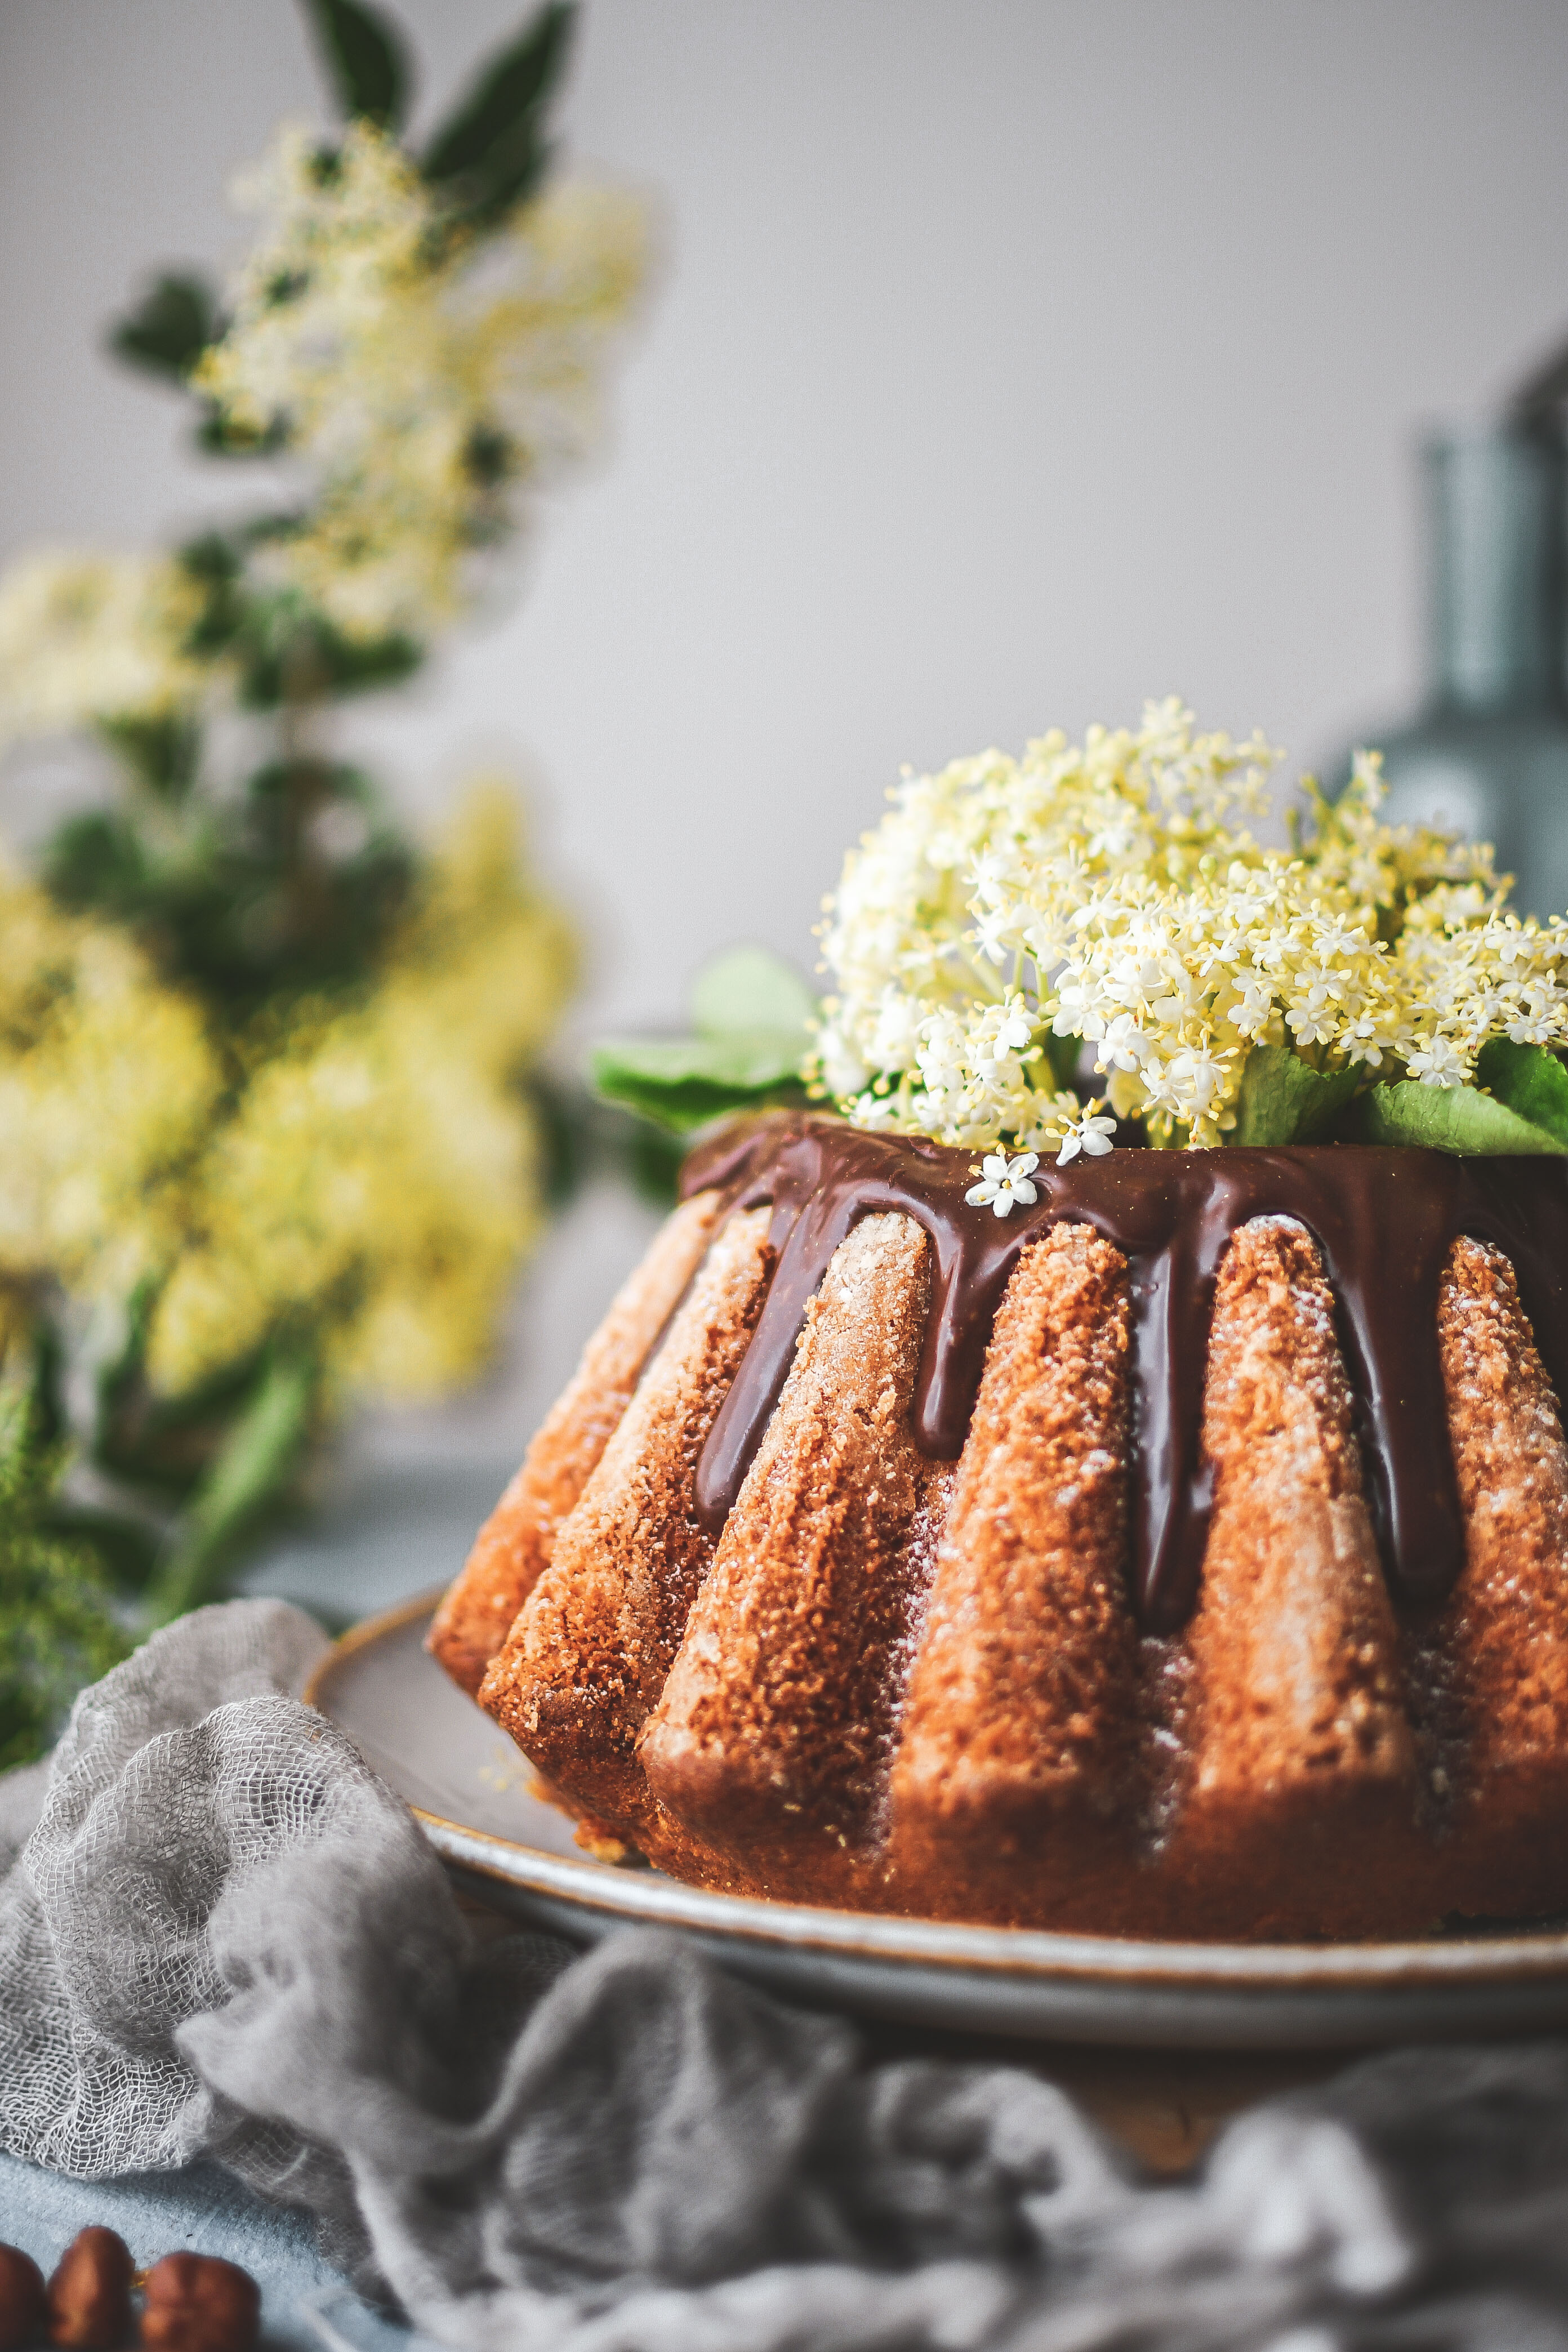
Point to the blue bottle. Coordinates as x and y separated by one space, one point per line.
1489 752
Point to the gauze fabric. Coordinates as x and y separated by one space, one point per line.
222 1934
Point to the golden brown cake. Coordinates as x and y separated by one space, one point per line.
1166 1533
822 1585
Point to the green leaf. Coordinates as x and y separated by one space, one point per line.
490 150
170 328
57 1627
219 436
366 58
751 988
653 1160
1061 1056
250 1474
682 1083
563 1114
1447 1118
127 1547
163 754
306 661
1528 1080
1284 1100
751 1010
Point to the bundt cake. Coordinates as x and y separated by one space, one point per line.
1166 1534
815 1582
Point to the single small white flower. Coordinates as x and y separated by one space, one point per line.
1436 1063
990 934
1093 1134
1121 1044
1004 1182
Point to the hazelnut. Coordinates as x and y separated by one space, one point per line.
21 2300
198 2303
89 2294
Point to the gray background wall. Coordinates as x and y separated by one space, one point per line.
1013 359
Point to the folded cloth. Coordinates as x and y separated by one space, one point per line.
222 1935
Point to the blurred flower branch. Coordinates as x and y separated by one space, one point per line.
266 1064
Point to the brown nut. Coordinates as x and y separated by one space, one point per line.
198 2302
89 2294
22 2301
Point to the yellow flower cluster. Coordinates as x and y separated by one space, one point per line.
86 637
1114 892
376 1187
371 1182
107 1089
420 373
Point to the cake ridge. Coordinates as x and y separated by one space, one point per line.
1171 1213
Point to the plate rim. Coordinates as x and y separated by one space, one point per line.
1021 1955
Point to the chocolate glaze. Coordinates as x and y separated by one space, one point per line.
1384 1220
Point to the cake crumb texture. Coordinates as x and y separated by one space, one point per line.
512 1548
1302 1757
1492 1677
772 1734
1014 1787
591 1647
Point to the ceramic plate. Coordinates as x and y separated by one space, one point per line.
468 1785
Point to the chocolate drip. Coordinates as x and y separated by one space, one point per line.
1384 1219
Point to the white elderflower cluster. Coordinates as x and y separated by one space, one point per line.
87 638
425 376
1008 914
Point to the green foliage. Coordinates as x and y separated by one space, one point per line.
156 1445
492 152
254 891
746 990
218 435
282 651
365 58
246 899
583 1139
682 1083
1529 1081
1284 1100
1447 1118
57 1629
289 658
170 328
253 1466
1062 1056
163 754
652 1158
750 1016
1523 1109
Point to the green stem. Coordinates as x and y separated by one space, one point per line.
256 1461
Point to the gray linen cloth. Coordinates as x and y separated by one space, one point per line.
221 1933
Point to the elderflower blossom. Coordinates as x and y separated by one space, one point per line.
1109 901
421 376
378 1181
107 1088
1092 1135
92 640
1004 1184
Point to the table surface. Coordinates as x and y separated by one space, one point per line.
305 2305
